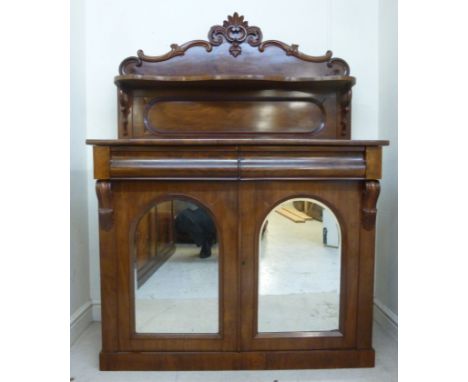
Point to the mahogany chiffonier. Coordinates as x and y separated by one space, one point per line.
236 215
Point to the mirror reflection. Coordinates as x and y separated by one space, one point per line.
299 268
176 270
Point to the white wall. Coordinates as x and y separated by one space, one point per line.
117 29
386 286
79 246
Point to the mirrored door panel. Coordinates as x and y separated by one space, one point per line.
299 268
176 269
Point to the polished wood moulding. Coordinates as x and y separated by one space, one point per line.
218 140
209 361
324 160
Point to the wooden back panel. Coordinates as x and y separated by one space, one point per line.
234 84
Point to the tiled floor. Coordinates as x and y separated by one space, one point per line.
85 351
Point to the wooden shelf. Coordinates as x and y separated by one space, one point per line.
234 141
139 81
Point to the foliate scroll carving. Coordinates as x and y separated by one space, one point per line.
106 211
345 106
176 50
235 31
124 107
293 50
338 66
369 202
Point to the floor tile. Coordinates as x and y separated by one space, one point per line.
85 352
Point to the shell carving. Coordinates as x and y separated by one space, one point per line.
235 31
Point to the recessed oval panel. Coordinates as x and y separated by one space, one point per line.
176 269
299 268
260 115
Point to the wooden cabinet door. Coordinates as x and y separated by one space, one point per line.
146 206
278 311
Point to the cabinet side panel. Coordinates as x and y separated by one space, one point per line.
108 262
370 194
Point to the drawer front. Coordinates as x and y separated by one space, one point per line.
174 164
287 165
231 163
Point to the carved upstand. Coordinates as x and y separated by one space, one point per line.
236 215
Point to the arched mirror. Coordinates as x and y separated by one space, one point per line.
176 272
299 268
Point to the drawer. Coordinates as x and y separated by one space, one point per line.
167 164
300 165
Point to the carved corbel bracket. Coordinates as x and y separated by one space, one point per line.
124 108
345 105
369 202
106 212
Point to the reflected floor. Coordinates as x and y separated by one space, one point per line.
181 296
298 312
296 270
296 250
299 278
177 315
184 275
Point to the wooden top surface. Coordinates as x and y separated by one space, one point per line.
228 77
234 142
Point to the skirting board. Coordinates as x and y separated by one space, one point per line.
96 311
80 320
387 320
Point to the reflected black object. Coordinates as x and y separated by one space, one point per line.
199 226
